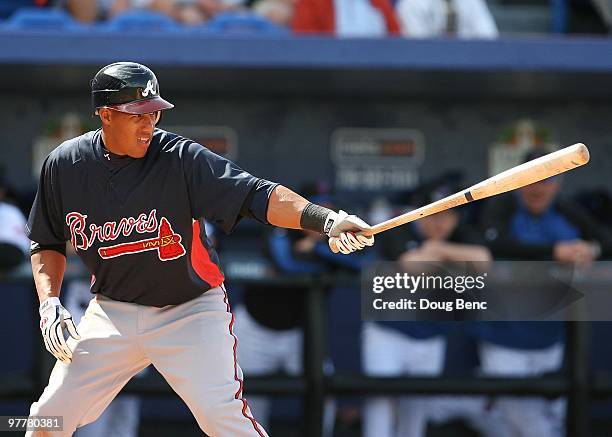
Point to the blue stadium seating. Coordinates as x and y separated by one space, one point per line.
243 23
8 7
41 19
139 21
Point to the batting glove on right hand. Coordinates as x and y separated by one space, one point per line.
53 319
346 233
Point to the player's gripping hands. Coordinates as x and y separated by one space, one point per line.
54 318
346 233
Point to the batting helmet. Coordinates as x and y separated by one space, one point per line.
127 87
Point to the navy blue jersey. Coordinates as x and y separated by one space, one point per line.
138 224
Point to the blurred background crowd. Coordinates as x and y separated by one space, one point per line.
370 138
364 18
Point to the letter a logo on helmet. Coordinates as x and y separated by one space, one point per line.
127 87
149 89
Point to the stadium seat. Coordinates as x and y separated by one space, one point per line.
243 23
8 7
41 19
139 21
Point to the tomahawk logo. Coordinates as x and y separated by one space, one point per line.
167 243
149 89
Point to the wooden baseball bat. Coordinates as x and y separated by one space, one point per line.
525 174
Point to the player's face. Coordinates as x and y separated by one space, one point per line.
539 196
128 134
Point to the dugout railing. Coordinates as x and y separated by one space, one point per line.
577 383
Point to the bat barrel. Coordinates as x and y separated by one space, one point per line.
581 153
517 177
533 171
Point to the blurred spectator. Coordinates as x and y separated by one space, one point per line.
89 11
393 349
14 245
193 12
532 224
346 18
431 18
279 12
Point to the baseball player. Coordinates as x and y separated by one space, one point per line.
132 198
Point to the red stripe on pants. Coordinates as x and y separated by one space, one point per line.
238 394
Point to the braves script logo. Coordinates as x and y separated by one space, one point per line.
149 89
167 243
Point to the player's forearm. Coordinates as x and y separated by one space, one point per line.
48 267
285 208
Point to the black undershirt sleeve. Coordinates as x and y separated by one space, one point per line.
36 247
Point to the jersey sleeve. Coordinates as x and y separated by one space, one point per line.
45 225
221 192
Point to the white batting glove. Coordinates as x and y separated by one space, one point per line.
53 319
346 233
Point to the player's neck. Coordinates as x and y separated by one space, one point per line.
108 144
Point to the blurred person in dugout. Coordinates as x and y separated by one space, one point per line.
14 244
193 12
433 18
346 18
532 223
269 321
88 11
411 348
279 12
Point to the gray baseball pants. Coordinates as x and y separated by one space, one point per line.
192 345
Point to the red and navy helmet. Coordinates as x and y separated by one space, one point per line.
127 87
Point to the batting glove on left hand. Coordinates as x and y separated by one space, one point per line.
346 233
53 319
